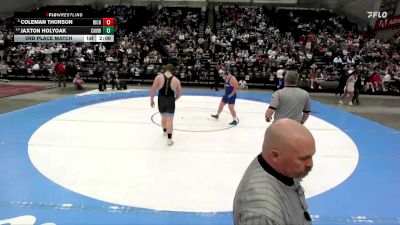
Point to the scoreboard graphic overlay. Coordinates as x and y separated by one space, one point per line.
62 27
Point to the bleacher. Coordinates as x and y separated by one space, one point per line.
150 36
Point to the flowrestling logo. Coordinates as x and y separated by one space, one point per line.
376 14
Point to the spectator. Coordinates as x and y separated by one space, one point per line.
36 69
313 77
113 79
357 87
280 77
105 78
60 73
349 88
3 69
70 70
243 84
78 82
342 83
375 82
216 79
387 79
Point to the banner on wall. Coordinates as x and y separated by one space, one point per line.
388 23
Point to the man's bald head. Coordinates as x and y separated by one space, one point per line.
288 147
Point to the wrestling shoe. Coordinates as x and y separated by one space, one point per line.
216 116
234 122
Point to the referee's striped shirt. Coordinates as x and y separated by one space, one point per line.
265 197
290 102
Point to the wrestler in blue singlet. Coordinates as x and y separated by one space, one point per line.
228 91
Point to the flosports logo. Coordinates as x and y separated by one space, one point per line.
376 14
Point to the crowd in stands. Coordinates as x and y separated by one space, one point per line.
319 44
257 44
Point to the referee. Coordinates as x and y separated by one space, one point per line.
290 102
270 192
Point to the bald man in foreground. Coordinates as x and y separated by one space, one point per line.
270 190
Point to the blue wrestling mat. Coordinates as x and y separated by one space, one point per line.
356 177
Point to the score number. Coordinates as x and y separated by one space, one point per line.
108 26
108 30
109 22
